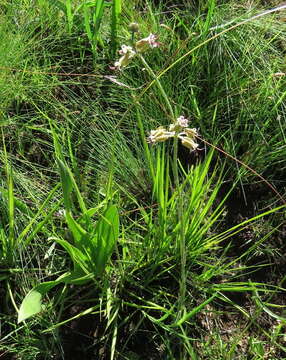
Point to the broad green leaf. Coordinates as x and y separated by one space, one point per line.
97 17
69 14
32 303
115 17
86 14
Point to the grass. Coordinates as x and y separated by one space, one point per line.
196 269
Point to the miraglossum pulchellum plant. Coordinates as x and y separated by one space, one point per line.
178 129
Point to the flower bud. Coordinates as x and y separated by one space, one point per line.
133 27
182 121
180 124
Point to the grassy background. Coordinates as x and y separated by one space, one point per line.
219 293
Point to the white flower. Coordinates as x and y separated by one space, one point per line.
146 43
159 135
178 129
60 213
125 49
128 53
192 133
188 142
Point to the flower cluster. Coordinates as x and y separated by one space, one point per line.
128 52
147 43
178 129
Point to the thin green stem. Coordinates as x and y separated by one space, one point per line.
182 242
151 72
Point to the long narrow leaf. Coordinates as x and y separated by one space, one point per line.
107 230
69 184
97 17
69 15
115 18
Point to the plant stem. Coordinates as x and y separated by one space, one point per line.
151 72
182 242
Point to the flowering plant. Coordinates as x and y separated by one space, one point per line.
140 46
178 129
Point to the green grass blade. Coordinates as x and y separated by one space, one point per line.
107 232
69 15
87 19
192 313
11 208
39 213
97 18
9 245
115 18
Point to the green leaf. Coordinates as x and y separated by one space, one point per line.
115 17
69 15
81 262
68 185
77 231
32 303
107 230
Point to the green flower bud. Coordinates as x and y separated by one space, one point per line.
133 27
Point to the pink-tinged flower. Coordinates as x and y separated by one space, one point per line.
182 121
159 135
180 124
127 54
146 43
